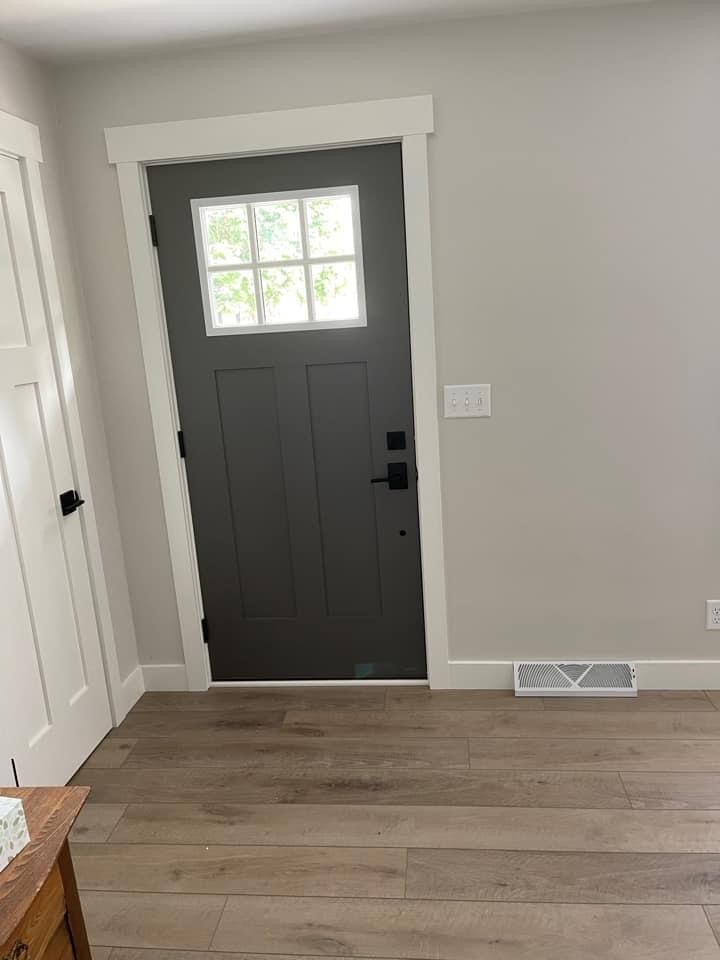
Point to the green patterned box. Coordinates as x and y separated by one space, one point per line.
13 829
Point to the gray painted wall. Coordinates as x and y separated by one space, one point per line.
576 231
25 92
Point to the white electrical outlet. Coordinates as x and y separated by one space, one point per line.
712 615
467 400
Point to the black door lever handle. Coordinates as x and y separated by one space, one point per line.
70 501
397 478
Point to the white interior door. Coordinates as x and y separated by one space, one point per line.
53 696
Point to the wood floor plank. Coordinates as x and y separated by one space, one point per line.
713 916
228 724
136 953
582 725
674 756
652 700
171 920
563 877
443 930
481 828
287 871
222 698
112 752
673 791
444 787
714 697
101 953
420 698
289 753
96 822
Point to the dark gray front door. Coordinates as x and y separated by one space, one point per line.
309 570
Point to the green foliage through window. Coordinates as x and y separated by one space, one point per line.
311 247
227 235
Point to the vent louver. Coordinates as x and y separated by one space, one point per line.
575 678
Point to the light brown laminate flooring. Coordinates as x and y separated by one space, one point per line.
399 824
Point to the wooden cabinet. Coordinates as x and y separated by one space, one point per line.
40 913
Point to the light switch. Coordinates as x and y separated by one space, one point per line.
467 400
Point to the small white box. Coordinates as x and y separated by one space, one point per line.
13 829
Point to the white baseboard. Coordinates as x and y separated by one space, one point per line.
481 675
464 675
652 674
678 674
165 676
131 689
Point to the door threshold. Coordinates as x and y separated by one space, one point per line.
319 683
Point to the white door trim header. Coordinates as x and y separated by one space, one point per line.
19 138
131 149
284 130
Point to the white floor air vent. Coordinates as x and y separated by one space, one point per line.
575 678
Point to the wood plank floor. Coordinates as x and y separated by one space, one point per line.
404 824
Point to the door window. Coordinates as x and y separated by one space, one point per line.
280 261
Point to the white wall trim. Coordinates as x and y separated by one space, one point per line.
652 674
265 132
163 408
19 138
132 688
425 401
131 148
678 674
164 676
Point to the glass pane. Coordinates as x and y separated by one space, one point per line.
329 226
277 225
226 230
233 296
335 288
284 294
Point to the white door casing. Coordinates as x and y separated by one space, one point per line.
54 704
408 120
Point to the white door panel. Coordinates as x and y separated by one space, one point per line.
53 697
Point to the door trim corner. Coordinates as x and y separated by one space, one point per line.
408 121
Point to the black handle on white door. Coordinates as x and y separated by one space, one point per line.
70 501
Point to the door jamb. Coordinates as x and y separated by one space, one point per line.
131 149
21 140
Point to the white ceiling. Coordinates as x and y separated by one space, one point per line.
67 29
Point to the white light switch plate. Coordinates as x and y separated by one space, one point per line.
467 400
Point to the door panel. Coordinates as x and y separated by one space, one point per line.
309 570
342 451
53 697
248 411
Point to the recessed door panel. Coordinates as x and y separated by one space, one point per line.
256 481
12 326
342 452
29 703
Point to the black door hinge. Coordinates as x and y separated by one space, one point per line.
205 631
153 229
181 443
